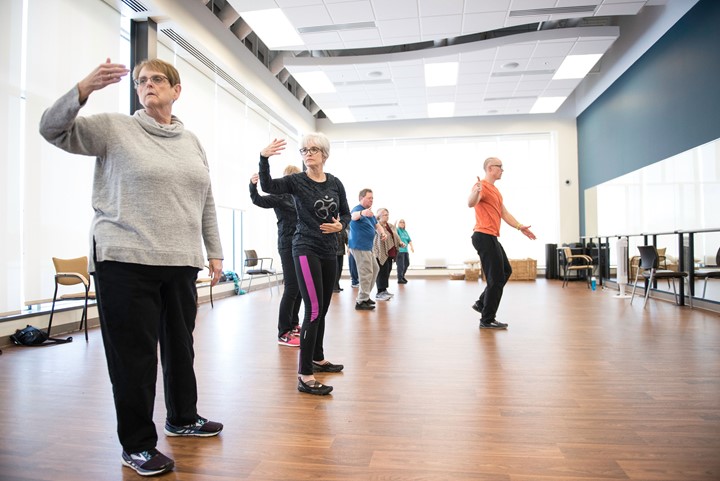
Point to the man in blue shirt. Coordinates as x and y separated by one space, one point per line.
363 226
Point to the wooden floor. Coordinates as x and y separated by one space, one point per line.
581 387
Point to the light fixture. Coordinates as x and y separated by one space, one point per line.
511 65
441 74
547 105
576 66
314 82
441 109
273 27
339 115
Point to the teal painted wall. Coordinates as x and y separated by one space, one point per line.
664 104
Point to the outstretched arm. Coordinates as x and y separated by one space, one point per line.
511 220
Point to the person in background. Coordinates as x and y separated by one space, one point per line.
342 239
385 250
487 201
354 277
363 227
322 211
153 206
403 257
288 315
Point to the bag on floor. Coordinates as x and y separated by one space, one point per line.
32 336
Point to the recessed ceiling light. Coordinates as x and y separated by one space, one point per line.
314 82
547 105
273 27
511 65
576 66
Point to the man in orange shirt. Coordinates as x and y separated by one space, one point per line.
489 209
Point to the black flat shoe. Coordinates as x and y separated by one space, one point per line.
327 367
313 387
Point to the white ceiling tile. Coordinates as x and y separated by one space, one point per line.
475 67
297 3
360 34
531 4
584 47
388 10
449 25
514 21
515 51
321 38
351 12
309 16
553 49
440 7
409 27
482 22
623 9
405 71
252 5
486 54
484 6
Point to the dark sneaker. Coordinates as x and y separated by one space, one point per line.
493 325
327 367
477 307
148 463
313 387
364 306
371 302
202 428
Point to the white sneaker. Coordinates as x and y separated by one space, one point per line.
382 296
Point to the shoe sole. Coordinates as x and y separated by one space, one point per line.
315 393
493 327
144 472
192 435
287 344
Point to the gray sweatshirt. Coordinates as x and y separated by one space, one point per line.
151 194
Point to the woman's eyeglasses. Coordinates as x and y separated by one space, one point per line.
155 80
311 151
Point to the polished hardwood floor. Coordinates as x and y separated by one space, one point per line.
581 387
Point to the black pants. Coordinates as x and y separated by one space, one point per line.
138 306
340 261
316 278
497 271
383 277
288 316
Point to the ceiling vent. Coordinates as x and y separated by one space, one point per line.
135 6
336 27
553 10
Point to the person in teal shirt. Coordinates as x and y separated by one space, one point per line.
403 257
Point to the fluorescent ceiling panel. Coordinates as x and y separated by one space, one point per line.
315 82
547 105
273 27
576 66
340 115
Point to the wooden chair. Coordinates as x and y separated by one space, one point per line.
648 268
70 272
255 266
577 263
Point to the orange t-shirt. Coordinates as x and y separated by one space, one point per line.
488 211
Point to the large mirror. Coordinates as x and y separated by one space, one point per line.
678 193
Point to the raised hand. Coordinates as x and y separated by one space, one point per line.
104 74
255 178
275 147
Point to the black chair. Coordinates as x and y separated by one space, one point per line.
258 267
577 263
709 273
648 268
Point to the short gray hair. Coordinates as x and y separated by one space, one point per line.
318 140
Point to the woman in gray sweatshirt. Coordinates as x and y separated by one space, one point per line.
153 207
